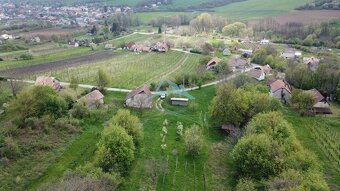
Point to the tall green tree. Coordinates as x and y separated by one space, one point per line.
194 141
302 102
104 79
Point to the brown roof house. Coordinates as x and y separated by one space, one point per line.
161 46
257 73
130 46
280 89
139 98
212 63
48 81
93 99
238 64
311 62
321 105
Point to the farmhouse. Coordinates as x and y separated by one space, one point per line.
321 105
288 55
213 62
48 81
311 62
179 101
161 46
130 46
92 99
266 69
281 90
238 64
264 41
257 73
139 98
246 52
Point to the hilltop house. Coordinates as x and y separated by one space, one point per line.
238 64
321 105
139 98
93 99
48 81
281 90
311 62
212 63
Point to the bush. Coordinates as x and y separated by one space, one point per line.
38 123
130 123
9 148
1 59
79 111
26 56
194 141
115 150
71 125
246 185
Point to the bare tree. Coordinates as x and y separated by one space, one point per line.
15 86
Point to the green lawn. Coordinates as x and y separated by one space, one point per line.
320 134
257 9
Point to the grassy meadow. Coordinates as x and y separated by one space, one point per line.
258 9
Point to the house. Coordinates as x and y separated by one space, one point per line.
48 81
161 46
180 101
238 64
212 63
321 105
311 62
139 98
257 73
298 54
6 37
92 99
74 44
246 53
130 46
108 46
266 69
288 55
281 90
264 41
226 52
141 48
36 39
228 128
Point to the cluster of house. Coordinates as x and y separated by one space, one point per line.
282 90
236 64
55 14
140 97
160 46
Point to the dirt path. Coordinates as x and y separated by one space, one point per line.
27 70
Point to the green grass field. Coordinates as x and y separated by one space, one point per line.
129 70
257 9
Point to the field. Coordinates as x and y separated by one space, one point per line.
47 33
129 70
257 9
308 17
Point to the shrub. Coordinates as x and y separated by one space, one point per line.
69 124
130 123
194 141
26 56
9 148
38 123
79 111
246 185
115 150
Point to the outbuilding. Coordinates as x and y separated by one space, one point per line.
180 101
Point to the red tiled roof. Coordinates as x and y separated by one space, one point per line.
236 62
255 73
92 97
213 61
48 81
144 88
279 84
267 69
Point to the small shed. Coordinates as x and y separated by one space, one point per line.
139 98
228 128
92 99
214 61
180 101
226 52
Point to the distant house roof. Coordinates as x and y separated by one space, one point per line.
130 45
311 60
213 61
237 62
143 89
279 84
48 81
257 74
92 97
267 69
317 95
226 52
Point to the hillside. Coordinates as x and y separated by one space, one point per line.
256 9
